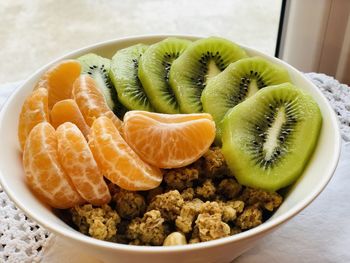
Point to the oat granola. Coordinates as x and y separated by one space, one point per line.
202 202
100 222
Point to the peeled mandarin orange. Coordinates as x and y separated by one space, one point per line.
68 111
34 111
91 101
116 121
44 173
169 140
117 161
58 80
78 162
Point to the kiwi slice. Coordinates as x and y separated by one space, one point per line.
202 60
124 75
98 68
154 69
269 138
237 82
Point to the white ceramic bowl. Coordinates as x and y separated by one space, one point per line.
315 177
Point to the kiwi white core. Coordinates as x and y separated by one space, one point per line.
252 88
272 133
213 70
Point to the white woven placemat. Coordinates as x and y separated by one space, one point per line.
22 240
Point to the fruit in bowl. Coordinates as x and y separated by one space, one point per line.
164 178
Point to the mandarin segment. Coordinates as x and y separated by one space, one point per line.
59 79
78 162
118 162
43 171
91 101
169 140
34 111
116 121
68 111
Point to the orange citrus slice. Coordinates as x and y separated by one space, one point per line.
44 173
91 101
68 111
118 162
78 162
59 79
169 140
34 111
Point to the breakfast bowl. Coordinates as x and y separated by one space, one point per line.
310 184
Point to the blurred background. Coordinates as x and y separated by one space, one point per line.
34 32
312 35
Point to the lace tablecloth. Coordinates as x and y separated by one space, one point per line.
22 240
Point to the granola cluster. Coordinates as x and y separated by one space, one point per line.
200 202
100 222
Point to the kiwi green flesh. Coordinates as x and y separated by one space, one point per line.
98 68
154 69
269 138
239 81
124 75
201 61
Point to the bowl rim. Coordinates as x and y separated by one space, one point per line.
265 227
